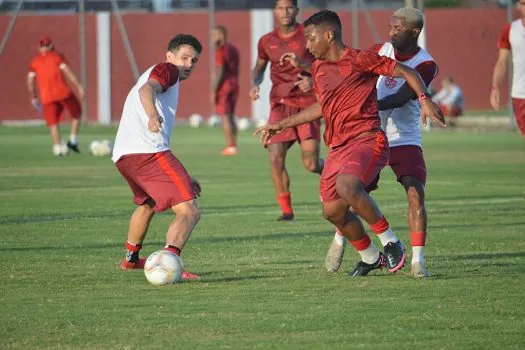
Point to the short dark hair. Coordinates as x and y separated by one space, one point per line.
184 39
325 17
223 30
294 3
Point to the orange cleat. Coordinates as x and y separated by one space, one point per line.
189 276
229 151
138 265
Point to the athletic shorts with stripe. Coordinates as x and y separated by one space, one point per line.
156 176
363 157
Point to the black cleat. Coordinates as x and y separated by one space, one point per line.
286 217
395 256
73 147
362 268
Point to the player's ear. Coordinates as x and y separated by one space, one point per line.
416 32
330 35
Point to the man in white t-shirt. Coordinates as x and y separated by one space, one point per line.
512 39
399 110
449 98
141 153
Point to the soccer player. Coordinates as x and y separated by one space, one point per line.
226 86
47 82
400 115
345 83
512 40
291 92
141 153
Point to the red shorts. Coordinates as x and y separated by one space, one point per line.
156 176
405 160
225 101
53 111
299 133
518 105
363 157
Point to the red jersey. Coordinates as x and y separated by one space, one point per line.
346 90
51 84
227 56
270 48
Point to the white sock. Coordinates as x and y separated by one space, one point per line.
73 139
370 254
57 149
339 238
387 237
418 254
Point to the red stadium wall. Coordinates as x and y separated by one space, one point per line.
462 42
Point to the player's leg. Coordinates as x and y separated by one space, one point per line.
408 164
309 135
281 181
518 105
138 228
52 112
226 107
363 160
72 105
336 251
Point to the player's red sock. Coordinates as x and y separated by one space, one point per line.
368 251
383 231
173 249
417 239
285 202
133 249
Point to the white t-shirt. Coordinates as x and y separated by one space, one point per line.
133 135
451 97
402 125
513 38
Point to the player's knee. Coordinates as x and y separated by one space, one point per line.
189 210
277 161
334 216
311 164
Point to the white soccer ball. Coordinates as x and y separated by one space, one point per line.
244 124
196 120
101 148
64 150
214 121
163 267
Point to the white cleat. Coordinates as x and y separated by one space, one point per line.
419 270
334 257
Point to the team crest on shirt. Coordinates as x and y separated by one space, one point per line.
390 82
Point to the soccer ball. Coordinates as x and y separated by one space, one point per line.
196 120
163 267
214 121
100 148
243 124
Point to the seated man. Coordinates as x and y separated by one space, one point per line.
449 98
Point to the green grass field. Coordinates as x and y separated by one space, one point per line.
63 226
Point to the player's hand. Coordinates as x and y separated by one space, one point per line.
155 123
254 92
196 186
304 83
291 58
494 98
267 131
430 109
36 104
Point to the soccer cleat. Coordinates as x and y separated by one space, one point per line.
229 151
73 147
395 256
334 257
286 217
128 265
419 270
362 268
189 276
